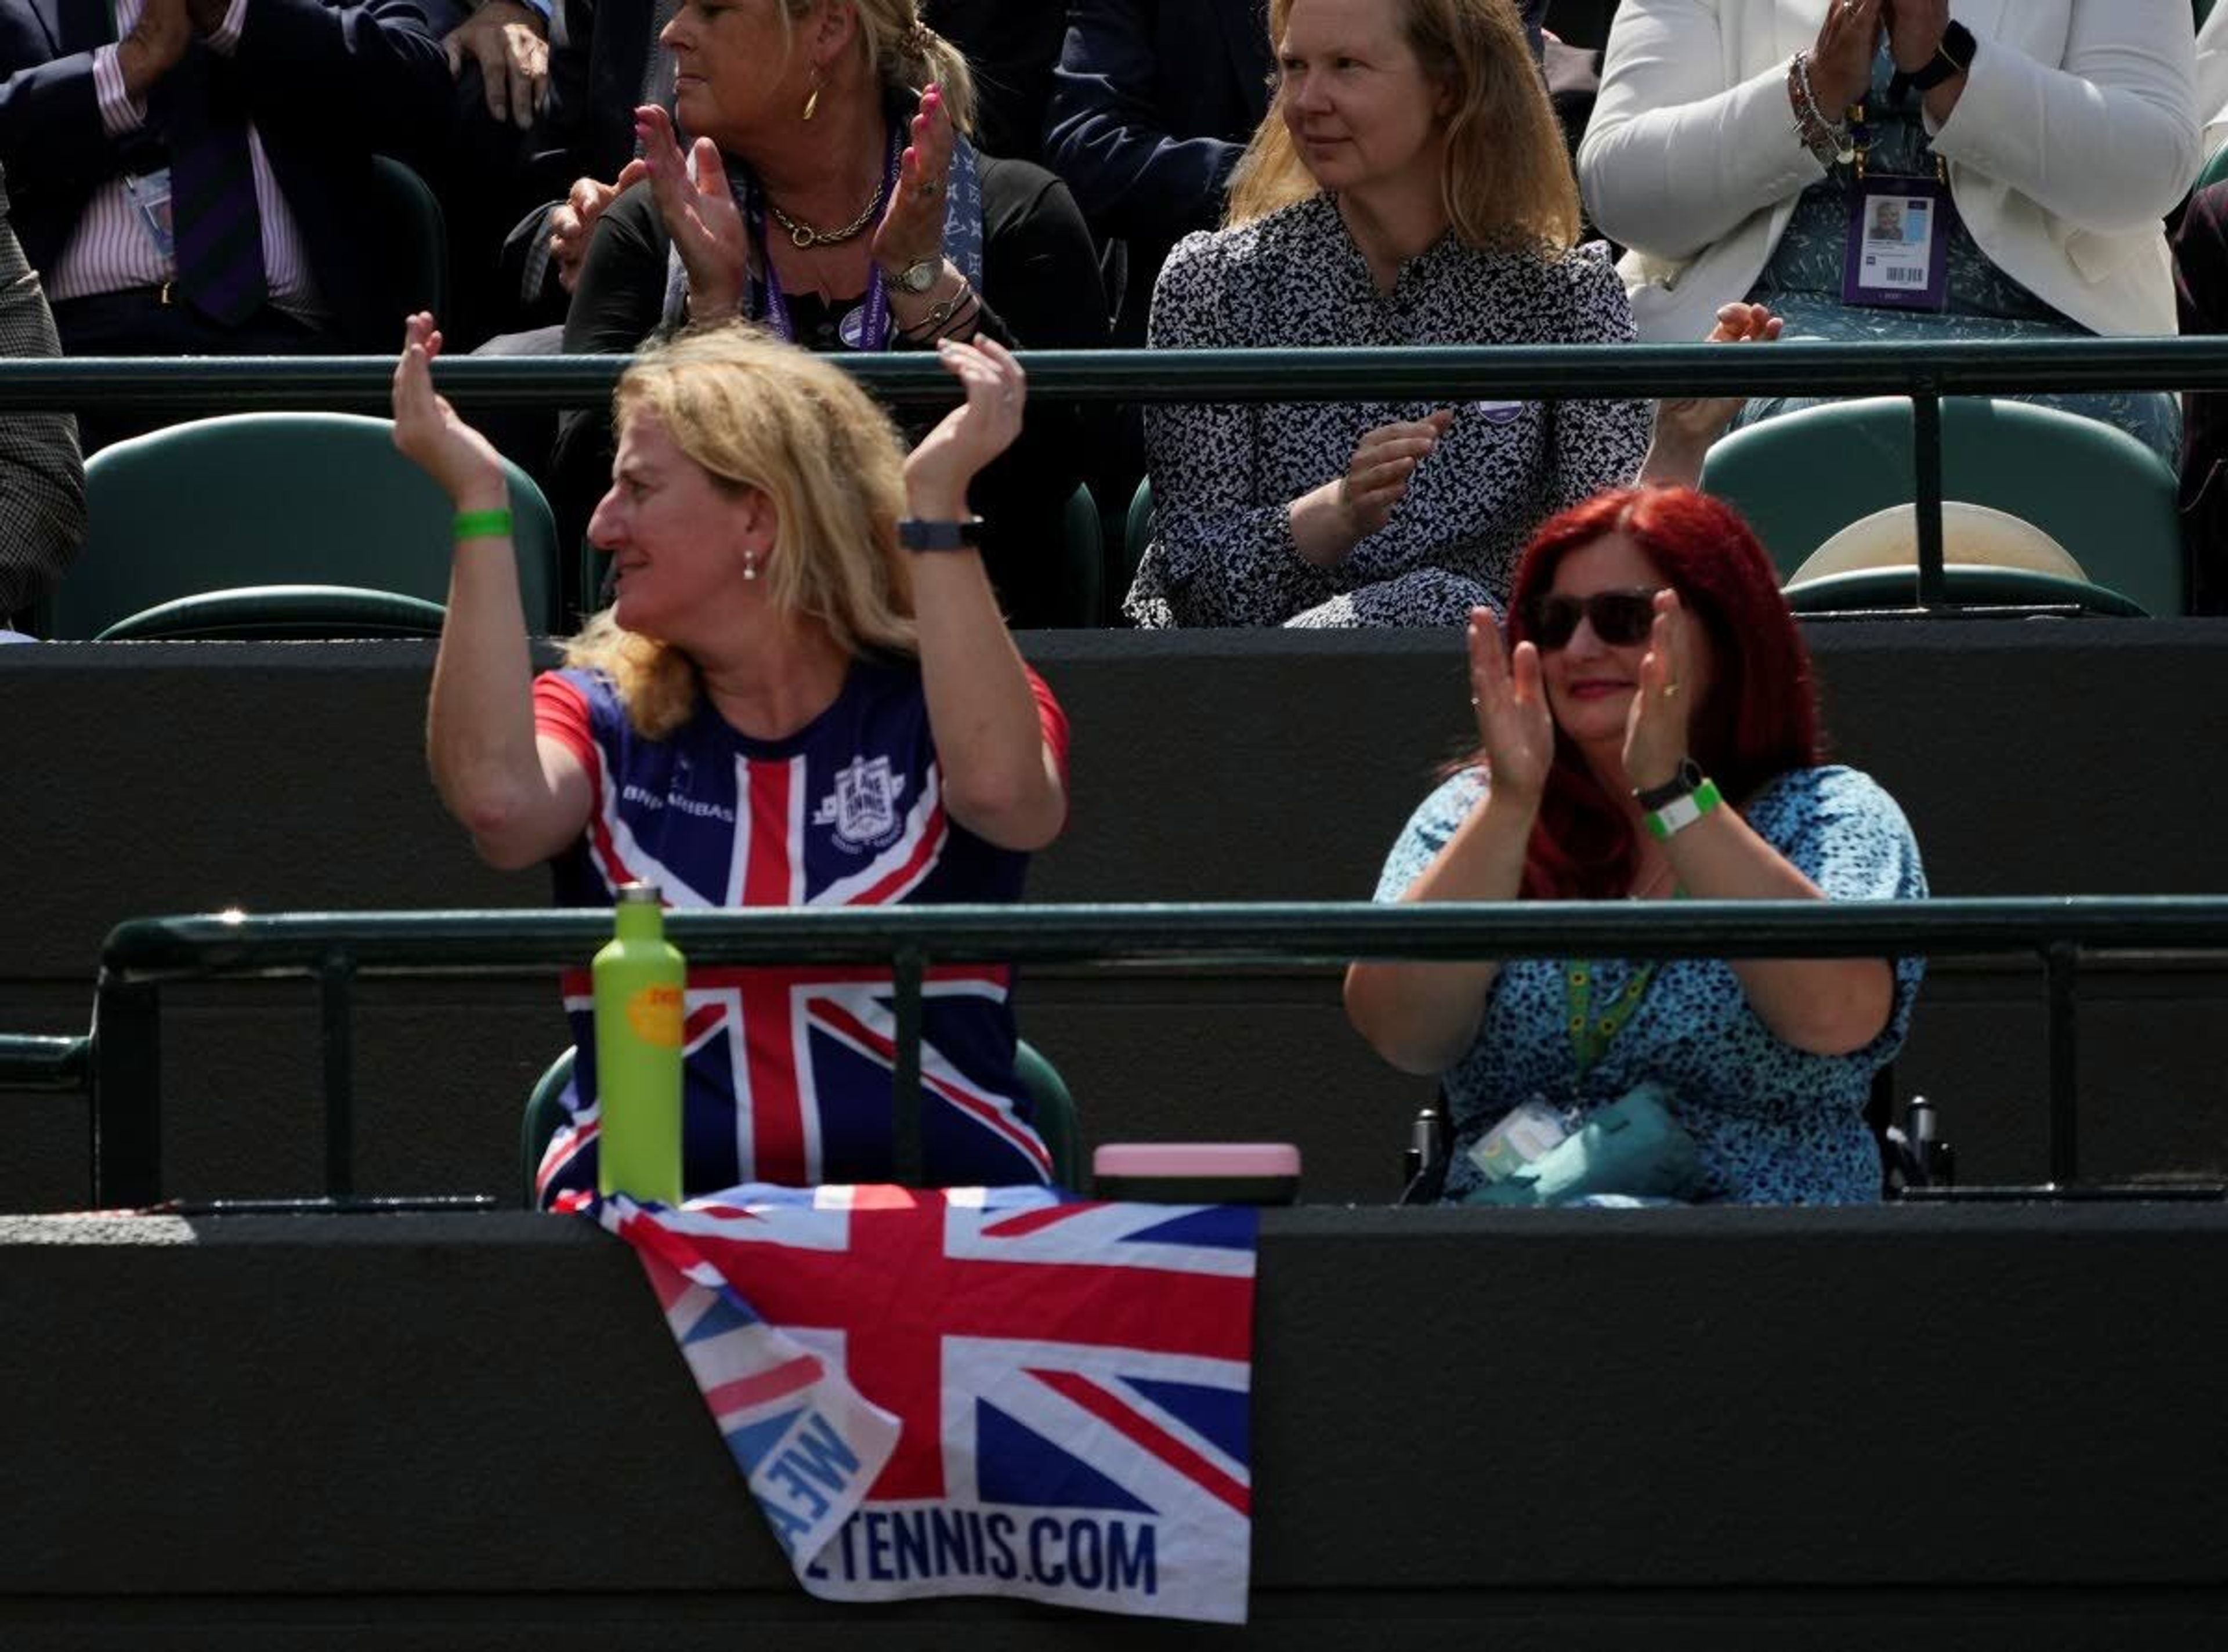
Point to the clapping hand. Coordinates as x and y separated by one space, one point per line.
698 211
1384 461
428 430
911 230
1514 727
1656 728
1687 424
1841 62
572 221
970 436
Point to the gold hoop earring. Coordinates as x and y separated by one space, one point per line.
812 100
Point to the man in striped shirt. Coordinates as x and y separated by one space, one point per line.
194 176
41 483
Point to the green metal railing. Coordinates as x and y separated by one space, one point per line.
337 950
1925 371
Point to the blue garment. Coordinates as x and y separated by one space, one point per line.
788 1067
1802 286
1772 1123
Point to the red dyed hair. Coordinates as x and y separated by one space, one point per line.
1760 718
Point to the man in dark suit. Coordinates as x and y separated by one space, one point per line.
194 176
41 483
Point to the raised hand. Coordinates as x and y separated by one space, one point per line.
1841 61
428 431
1914 30
1384 461
1656 728
911 230
972 434
1514 727
699 211
572 221
1687 426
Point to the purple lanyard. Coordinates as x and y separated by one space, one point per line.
875 325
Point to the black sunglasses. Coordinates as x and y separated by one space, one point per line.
1620 618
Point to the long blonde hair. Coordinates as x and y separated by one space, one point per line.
759 413
1507 180
904 52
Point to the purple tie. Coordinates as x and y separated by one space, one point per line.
213 212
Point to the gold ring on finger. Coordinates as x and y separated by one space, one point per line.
1670 691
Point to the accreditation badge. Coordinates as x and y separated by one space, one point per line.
1898 245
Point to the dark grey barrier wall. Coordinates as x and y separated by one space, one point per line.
2031 757
1973 1427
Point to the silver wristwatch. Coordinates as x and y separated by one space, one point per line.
919 278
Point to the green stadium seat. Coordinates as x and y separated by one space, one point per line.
1133 543
1083 547
1973 584
415 235
1048 1095
296 500
2109 500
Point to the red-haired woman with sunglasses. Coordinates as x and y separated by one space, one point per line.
1648 730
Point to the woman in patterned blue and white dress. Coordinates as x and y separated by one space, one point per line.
1651 670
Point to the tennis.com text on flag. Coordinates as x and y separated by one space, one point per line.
1083 1551
815 1470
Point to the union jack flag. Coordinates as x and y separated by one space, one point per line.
789 1070
976 1391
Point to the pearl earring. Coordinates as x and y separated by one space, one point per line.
751 564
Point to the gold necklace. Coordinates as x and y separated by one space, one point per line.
802 234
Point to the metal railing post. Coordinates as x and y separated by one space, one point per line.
908 1160
336 1038
2061 961
127 1095
1926 497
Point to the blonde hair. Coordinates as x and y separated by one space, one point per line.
1507 181
905 52
759 413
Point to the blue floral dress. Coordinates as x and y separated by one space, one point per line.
1771 1124
1802 284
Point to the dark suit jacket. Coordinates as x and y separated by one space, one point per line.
327 87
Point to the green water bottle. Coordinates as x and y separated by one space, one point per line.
639 1012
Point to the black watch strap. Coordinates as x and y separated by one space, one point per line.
1687 780
1954 55
963 535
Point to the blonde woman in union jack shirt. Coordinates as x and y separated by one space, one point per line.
803 694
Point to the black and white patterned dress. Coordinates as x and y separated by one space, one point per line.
1223 477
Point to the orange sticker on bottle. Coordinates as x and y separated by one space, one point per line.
655 1015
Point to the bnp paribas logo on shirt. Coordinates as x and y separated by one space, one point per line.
863 807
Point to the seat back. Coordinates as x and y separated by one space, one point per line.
415 233
2109 500
1048 1096
276 499
1972 583
1083 551
1140 526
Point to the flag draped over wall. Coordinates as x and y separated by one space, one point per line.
976 1391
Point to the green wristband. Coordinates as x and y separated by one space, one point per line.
482 524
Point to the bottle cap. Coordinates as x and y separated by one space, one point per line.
640 891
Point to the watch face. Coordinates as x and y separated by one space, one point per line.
919 278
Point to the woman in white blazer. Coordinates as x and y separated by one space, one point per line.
2063 130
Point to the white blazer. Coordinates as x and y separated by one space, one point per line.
2077 131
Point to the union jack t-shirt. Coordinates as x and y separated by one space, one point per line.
788 1070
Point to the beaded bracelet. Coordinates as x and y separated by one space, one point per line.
1827 140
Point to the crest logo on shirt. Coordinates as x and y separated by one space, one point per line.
863 807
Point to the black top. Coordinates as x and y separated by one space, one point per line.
1041 291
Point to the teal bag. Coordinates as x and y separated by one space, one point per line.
1633 1146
